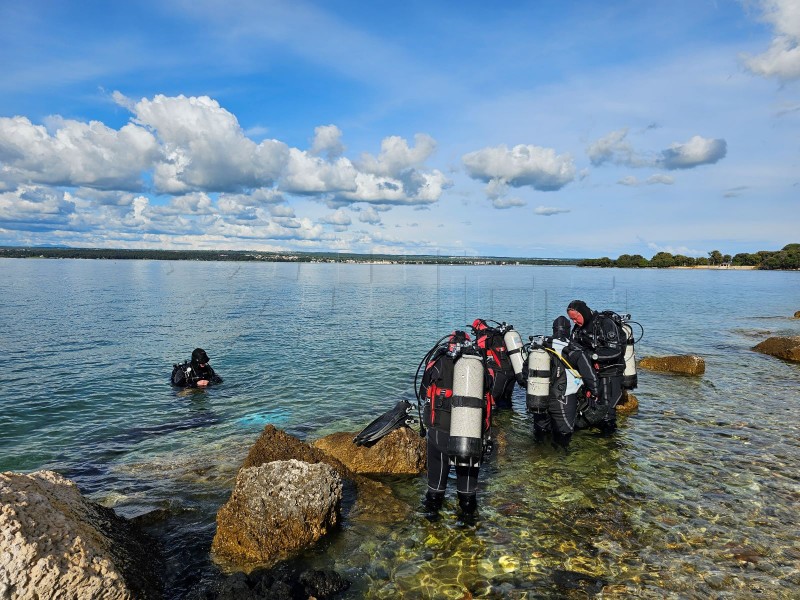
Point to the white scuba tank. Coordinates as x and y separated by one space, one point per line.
513 344
538 376
629 377
466 413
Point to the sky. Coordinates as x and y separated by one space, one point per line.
520 129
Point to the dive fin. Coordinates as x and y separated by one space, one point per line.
387 422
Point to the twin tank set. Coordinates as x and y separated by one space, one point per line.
466 417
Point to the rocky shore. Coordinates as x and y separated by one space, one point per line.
288 495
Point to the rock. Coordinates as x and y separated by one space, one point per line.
375 501
797 315
274 444
275 585
685 364
277 509
628 404
401 452
786 348
56 544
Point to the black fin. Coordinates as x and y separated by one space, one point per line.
387 422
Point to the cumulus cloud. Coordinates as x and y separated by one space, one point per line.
328 142
614 148
340 220
369 215
547 211
697 151
396 156
203 147
658 178
782 58
523 165
35 208
75 153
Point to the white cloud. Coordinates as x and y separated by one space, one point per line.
546 211
503 203
204 147
369 215
614 148
75 154
523 165
307 174
697 151
340 220
782 58
397 156
327 141
660 178
35 208
629 180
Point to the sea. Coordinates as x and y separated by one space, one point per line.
695 496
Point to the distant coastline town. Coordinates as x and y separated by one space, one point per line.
788 258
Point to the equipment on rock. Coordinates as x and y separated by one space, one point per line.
399 416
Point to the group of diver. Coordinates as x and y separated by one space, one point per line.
573 379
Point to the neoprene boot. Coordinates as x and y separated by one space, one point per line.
468 503
433 501
607 427
561 440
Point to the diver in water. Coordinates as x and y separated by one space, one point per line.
603 336
571 373
195 372
457 414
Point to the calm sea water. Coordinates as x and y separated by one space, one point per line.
695 497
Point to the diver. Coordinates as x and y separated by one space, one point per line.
603 336
457 413
570 375
195 373
495 345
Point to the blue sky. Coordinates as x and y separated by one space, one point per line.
537 129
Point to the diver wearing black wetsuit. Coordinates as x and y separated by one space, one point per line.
196 372
570 368
605 341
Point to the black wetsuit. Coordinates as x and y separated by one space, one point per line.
437 392
492 347
558 414
603 337
188 374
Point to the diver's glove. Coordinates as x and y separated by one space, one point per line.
591 399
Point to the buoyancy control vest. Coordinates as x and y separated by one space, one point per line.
606 340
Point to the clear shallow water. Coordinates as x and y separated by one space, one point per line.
695 497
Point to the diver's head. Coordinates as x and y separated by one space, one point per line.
579 312
479 325
199 357
561 327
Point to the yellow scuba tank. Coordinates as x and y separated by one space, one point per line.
629 377
538 376
513 343
466 416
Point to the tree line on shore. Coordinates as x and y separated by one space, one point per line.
786 258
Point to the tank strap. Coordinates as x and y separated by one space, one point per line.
467 402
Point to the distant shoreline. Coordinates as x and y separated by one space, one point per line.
719 267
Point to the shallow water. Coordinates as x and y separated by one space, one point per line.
694 497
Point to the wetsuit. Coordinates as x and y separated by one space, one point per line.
437 391
603 337
492 347
570 368
189 373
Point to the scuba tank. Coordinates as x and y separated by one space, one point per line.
513 344
538 376
466 416
629 377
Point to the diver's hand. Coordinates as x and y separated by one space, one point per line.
203 382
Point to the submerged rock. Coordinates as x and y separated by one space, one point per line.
786 348
401 452
275 585
682 364
56 544
628 404
277 509
797 315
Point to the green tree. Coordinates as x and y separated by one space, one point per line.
715 257
663 260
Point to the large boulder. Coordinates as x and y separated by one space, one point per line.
56 544
682 364
787 348
401 452
277 509
797 315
